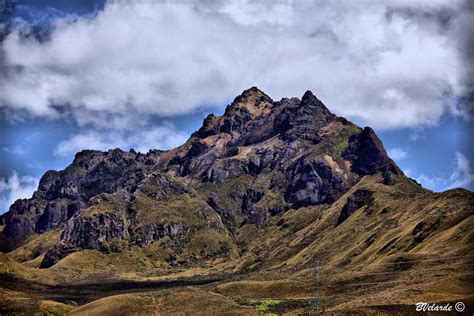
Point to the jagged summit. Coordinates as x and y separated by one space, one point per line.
267 187
253 91
250 104
252 100
295 153
253 115
309 99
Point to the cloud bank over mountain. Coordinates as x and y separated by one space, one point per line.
163 137
15 187
389 64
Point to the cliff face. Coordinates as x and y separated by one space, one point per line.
250 200
261 158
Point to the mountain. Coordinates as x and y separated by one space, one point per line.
248 212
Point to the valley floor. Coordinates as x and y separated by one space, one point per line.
207 291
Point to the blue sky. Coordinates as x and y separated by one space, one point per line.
95 74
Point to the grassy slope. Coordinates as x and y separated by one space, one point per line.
372 257
186 301
359 260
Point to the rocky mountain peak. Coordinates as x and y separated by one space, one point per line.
252 91
311 105
310 100
256 133
252 101
251 106
309 97
274 155
254 113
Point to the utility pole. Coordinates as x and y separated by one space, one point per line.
316 295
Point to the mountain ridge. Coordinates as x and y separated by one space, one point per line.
253 134
264 188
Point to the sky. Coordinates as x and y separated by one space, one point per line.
93 74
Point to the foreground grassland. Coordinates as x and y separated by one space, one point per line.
379 261
194 291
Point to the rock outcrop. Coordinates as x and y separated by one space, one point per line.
357 200
260 158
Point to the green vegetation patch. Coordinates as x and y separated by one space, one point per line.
336 143
264 305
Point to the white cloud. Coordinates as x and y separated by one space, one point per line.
397 153
15 150
417 134
388 63
15 187
161 137
461 176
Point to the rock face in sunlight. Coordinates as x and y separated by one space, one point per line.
283 154
268 186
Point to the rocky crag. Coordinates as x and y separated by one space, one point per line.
267 184
259 160
294 152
